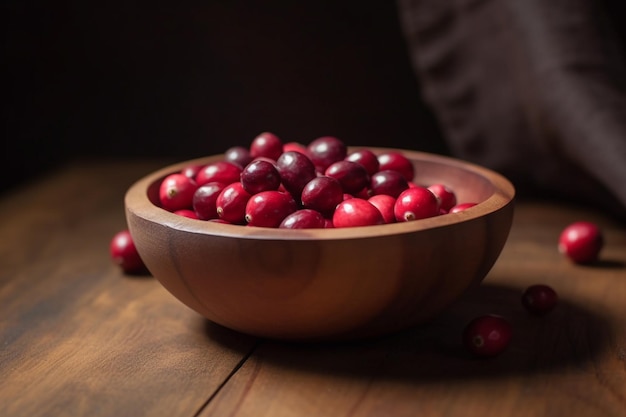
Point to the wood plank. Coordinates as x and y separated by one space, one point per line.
572 362
77 337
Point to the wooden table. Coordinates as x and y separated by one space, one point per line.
79 338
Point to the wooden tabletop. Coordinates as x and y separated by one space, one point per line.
79 338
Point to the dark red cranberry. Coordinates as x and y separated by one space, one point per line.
447 198
325 150
322 194
388 182
220 171
176 192
238 155
356 212
295 170
260 175
304 219
191 171
539 299
351 175
367 158
269 208
385 204
581 242
266 144
461 207
487 336
204 201
231 203
124 253
396 161
416 203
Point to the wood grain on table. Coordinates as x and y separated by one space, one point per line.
79 338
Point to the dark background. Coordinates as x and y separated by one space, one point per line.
188 79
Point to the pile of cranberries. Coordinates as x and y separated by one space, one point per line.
294 186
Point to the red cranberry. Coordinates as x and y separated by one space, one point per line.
352 176
367 158
260 175
295 170
124 253
487 336
266 144
304 219
238 155
416 203
295 146
447 198
356 212
581 242
388 182
220 171
204 201
461 207
396 161
322 194
176 192
539 299
325 150
191 171
231 203
190 214
269 208
385 204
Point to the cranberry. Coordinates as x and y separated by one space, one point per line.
220 171
325 150
304 219
461 207
388 182
191 171
295 146
266 144
416 203
396 161
204 201
176 192
295 170
385 204
322 194
260 175
539 299
367 158
231 203
124 253
269 208
238 155
487 336
352 176
356 212
187 213
447 198
581 242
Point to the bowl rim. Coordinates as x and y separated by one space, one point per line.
137 202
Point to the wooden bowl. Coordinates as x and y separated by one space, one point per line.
326 283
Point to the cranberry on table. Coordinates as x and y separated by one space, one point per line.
397 161
322 194
231 203
176 192
267 145
367 158
356 212
487 336
388 182
123 253
220 171
325 150
539 299
385 204
204 201
581 242
416 203
260 175
351 175
304 219
269 208
295 170
238 155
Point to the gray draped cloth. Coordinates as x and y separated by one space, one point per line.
535 89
